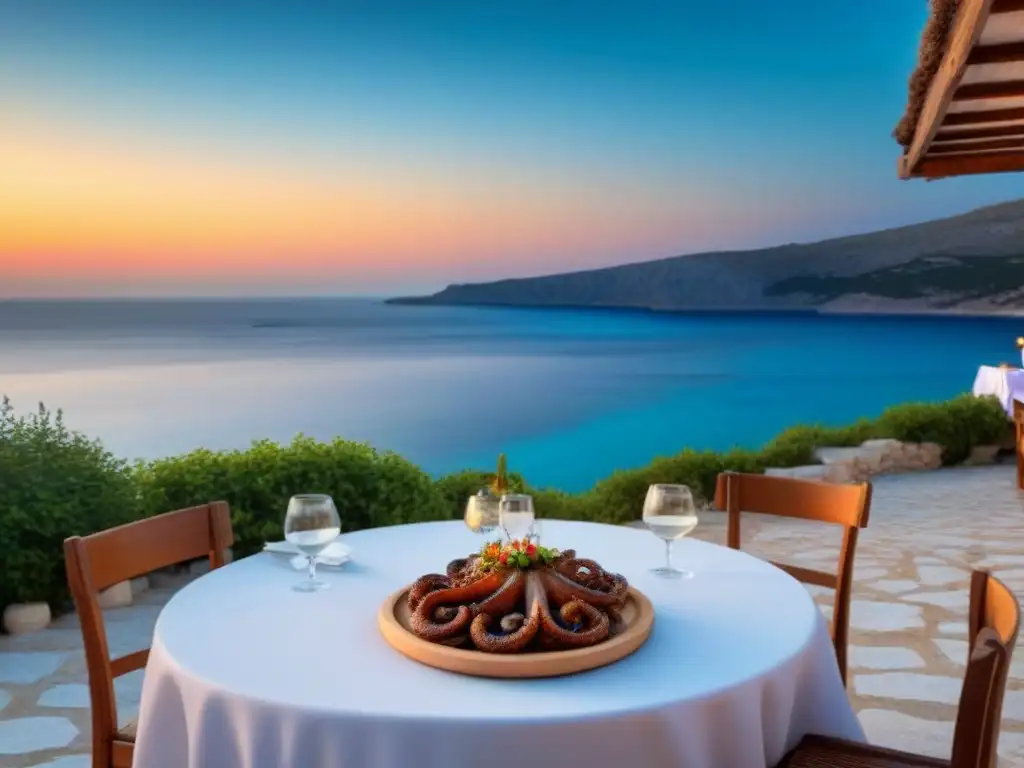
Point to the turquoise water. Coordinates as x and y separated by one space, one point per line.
569 395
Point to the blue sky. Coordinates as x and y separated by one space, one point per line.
373 147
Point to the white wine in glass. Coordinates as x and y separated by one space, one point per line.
311 524
515 515
670 514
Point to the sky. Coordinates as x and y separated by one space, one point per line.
376 148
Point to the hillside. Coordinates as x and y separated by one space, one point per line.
968 263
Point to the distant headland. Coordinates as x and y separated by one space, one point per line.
967 264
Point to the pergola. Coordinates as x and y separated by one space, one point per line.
965 108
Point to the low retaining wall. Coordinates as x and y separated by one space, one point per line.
877 457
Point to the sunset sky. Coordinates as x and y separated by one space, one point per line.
397 147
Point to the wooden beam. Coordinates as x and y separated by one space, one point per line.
1004 89
975 146
1007 6
965 165
995 132
970 20
984 116
996 54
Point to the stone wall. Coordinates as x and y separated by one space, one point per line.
877 457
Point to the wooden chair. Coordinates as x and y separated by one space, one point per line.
103 559
1018 428
992 631
843 504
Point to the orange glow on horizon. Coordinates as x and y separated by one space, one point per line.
89 210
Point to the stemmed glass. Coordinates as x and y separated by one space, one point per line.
481 513
670 514
311 524
515 515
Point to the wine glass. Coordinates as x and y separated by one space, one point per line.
515 515
310 526
670 514
481 512
535 532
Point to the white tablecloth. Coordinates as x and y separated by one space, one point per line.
1006 385
246 672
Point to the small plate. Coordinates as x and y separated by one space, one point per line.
334 555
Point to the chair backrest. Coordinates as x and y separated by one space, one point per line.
992 625
103 559
842 504
1018 428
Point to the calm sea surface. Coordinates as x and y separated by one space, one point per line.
569 395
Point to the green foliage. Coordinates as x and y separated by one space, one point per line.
958 425
456 488
958 278
54 483
369 488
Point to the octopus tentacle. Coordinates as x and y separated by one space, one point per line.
514 641
596 625
424 585
565 603
563 589
506 598
424 621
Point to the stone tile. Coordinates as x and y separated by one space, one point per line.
1013 706
875 616
1012 574
938 575
996 561
953 628
884 657
909 686
68 695
68 761
954 650
959 600
1011 744
28 668
128 689
867 574
894 586
31 734
896 730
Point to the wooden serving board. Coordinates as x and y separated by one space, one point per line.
637 615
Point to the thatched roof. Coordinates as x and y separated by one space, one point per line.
965 102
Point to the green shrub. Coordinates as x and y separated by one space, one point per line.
558 505
369 488
958 425
457 487
54 483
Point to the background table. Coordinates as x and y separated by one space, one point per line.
1006 384
246 672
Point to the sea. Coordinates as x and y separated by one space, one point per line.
569 395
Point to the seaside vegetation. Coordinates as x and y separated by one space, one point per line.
55 482
948 280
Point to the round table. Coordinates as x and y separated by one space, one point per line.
244 671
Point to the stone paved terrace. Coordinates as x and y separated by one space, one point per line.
907 648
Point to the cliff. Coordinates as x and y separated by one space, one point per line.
973 262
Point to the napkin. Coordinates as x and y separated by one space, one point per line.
334 554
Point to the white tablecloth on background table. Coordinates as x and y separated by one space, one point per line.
1006 384
244 671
